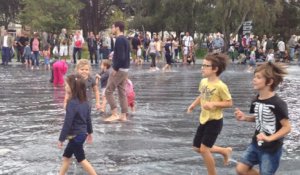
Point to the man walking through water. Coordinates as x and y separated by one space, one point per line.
117 78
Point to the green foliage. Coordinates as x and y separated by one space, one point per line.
228 16
51 15
117 15
9 10
201 52
288 22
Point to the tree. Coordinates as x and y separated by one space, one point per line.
181 15
96 14
51 15
9 11
228 16
148 15
288 22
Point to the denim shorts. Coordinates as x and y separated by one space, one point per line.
268 162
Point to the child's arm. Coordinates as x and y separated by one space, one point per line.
67 96
70 114
98 77
196 102
89 138
285 129
96 92
220 104
240 116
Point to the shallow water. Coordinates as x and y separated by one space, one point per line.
156 140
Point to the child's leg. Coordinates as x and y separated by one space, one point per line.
65 166
88 167
225 152
205 150
132 108
243 169
208 159
103 107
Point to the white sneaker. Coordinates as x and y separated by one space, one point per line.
37 68
156 68
31 67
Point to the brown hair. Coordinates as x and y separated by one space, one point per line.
106 63
121 25
272 71
218 60
77 87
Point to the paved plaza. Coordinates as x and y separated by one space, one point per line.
157 139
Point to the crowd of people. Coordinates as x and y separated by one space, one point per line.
264 49
268 111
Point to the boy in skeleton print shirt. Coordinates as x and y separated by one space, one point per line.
270 113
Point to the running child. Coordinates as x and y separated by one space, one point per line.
46 55
77 125
83 68
270 114
130 94
103 77
214 97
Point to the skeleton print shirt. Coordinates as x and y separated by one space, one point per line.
268 114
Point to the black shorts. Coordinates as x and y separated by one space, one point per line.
207 134
168 59
75 146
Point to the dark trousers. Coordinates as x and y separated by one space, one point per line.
93 55
35 58
145 55
153 55
20 52
76 49
5 55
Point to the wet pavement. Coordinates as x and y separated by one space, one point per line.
156 140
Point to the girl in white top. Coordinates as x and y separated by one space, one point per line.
152 50
270 56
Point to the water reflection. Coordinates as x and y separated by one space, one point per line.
158 137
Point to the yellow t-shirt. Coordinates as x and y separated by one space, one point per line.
212 92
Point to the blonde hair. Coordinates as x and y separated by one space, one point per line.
83 62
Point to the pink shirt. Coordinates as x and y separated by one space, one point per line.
129 87
60 68
35 45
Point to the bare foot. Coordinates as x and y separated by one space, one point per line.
112 118
123 118
227 155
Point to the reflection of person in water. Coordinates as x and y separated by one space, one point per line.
59 95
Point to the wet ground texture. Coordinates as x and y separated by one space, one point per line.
156 140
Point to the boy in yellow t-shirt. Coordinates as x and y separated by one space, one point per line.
214 96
